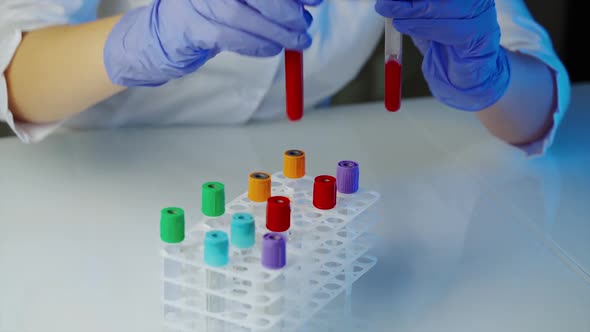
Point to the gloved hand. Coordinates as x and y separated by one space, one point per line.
464 65
168 39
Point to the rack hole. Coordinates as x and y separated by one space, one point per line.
333 220
321 296
322 251
262 321
333 243
332 265
364 260
332 286
345 211
239 292
323 228
239 268
302 223
342 233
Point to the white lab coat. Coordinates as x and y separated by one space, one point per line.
232 89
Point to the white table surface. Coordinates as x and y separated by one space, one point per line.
476 237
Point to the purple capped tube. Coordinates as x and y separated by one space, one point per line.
347 177
274 251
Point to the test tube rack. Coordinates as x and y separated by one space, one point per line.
326 252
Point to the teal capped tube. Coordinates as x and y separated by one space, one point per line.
216 248
242 230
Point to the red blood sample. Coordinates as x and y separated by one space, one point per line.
294 84
393 85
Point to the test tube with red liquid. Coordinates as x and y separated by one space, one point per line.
294 84
393 67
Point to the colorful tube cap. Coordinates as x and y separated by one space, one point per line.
278 214
274 251
213 199
324 192
294 164
172 225
259 184
347 175
242 230
216 248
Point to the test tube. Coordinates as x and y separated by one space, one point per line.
324 192
172 230
294 84
278 215
294 168
216 254
243 232
259 190
274 257
347 176
393 67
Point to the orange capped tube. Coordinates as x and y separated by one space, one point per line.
294 164
259 184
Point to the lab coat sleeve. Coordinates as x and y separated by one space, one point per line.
521 33
16 17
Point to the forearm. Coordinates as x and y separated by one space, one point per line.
59 71
523 114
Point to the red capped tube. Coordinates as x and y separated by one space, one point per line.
324 192
278 214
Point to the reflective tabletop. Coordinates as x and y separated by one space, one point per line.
474 235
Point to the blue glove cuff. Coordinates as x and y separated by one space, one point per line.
478 97
464 65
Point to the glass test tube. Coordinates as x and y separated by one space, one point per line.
216 254
294 84
393 67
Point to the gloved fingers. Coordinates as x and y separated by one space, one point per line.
469 86
402 9
240 16
312 3
288 13
421 44
243 43
450 31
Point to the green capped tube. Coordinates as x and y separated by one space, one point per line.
213 199
172 225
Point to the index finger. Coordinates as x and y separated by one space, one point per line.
288 13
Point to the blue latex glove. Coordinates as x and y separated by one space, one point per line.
168 39
464 65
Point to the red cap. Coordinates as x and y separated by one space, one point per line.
278 213
324 192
